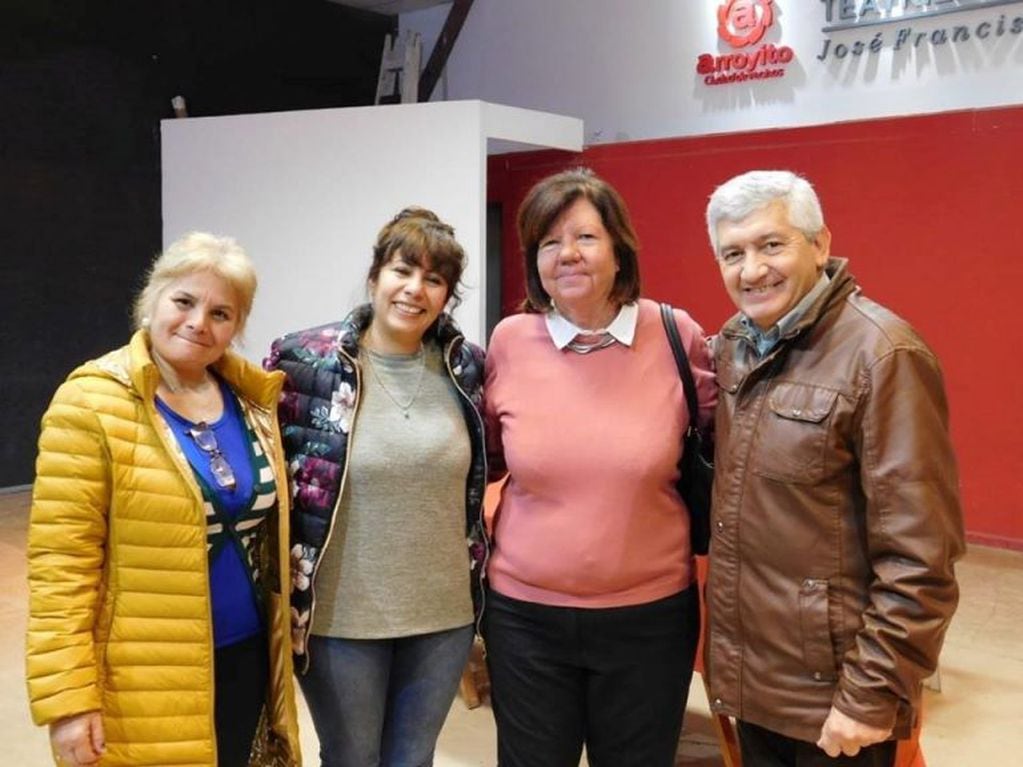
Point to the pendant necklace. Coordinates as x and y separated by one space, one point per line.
404 407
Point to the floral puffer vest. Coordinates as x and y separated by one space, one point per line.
317 412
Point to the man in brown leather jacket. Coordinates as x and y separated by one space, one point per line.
836 517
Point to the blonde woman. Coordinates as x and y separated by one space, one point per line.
159 524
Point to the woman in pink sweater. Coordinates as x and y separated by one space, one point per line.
592 615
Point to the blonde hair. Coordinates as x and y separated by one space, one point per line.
193 253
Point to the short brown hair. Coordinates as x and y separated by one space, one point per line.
424 241
547 200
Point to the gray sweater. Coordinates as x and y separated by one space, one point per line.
396 564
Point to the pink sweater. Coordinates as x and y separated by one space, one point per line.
589 516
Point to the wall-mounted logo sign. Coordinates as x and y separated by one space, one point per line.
896 25
741 24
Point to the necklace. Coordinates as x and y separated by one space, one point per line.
590 342
172 381
175 387
404 407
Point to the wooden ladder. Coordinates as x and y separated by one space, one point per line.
398 82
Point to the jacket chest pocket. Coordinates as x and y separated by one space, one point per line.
792 436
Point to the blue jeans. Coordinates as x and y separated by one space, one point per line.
382 702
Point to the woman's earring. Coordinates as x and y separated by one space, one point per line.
145 322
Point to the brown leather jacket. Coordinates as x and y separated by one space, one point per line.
836 520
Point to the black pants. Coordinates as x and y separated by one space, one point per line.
615 679
241 672
766 748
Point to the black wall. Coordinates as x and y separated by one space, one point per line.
83 86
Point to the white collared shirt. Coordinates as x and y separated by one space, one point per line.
622 327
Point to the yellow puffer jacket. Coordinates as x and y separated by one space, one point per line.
119 616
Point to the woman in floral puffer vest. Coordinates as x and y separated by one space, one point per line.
384 587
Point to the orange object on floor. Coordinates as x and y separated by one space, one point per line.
724 727
475 683
909 753
490 501
474 686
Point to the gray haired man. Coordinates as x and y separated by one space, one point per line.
836 512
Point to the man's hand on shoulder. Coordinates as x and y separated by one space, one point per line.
841 734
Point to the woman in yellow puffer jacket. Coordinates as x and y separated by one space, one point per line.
158 606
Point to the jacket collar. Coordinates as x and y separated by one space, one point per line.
443 331
133 365
841 285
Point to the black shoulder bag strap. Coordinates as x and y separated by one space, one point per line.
682 362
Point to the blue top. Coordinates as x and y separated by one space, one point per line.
236 615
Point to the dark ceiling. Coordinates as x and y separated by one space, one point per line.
224 56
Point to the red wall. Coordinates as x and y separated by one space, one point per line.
929 210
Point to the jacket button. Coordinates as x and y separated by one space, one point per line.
720 526
817 675
718 703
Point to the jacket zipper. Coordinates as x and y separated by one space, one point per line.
283 565
480 513
160 426
333 516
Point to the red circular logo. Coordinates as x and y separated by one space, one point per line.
743 22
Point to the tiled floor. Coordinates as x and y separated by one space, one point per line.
974 720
